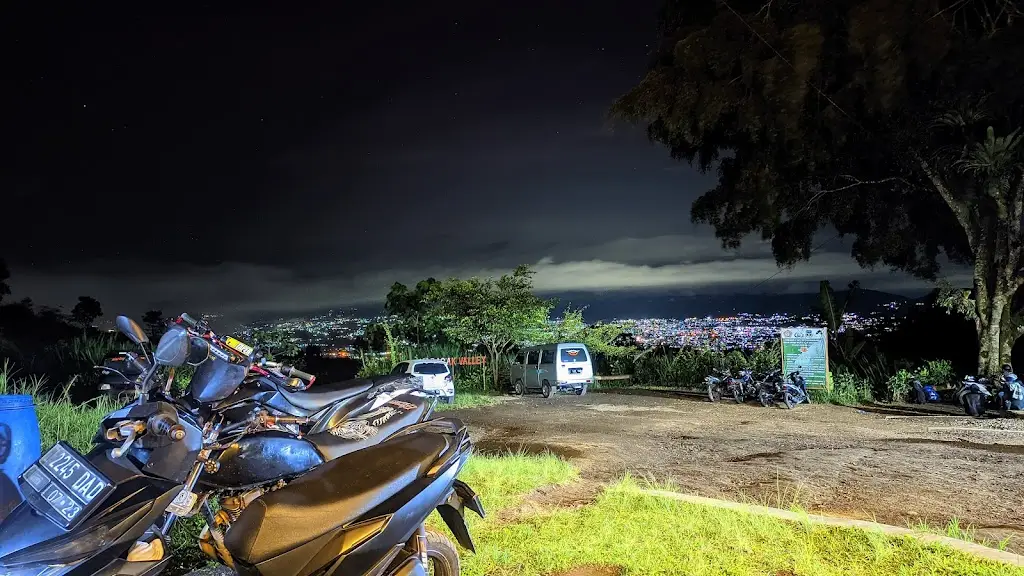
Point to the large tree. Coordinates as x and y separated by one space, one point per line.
496 313
86 311
889 121
410 307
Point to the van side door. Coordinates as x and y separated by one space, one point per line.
530 373
516 369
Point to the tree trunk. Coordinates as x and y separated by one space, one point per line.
992 339
492 350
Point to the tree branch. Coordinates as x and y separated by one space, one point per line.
854 183
959 208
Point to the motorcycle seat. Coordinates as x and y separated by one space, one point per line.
331 496
369 428
320 395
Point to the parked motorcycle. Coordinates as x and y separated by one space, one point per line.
722 383
974 395
770 388
788 392
111 511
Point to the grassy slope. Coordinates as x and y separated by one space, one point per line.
649 535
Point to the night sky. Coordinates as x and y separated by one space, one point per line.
280 159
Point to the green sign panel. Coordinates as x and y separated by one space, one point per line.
805 349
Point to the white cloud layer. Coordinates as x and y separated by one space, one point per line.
698 265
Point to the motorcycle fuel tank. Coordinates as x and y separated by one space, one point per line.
261 458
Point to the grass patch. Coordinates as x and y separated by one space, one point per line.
646 534
503 480
965 532
59 418
470 400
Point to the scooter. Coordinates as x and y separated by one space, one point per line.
111 511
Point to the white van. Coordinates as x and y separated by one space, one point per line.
553 368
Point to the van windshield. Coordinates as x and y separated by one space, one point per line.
430 368
574 355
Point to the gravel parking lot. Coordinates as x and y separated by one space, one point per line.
826 459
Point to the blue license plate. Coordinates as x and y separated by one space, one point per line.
64 486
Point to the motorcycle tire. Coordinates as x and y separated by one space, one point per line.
441 553
766 399
737 395
789 401
714 393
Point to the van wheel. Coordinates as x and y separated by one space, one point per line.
581 391
545 389
517 388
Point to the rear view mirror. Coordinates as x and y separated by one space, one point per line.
198 351
133 331
173 348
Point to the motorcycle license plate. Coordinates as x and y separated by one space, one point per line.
63 486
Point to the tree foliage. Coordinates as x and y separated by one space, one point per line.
496 313
5 275
411 309
155 324
278 344
889 121
600 338
86 311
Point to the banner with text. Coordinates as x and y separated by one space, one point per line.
805 349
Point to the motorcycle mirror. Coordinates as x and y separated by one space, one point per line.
198 350
133 331
173 348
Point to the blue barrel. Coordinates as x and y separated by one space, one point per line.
19 446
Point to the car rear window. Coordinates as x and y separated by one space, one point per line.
430 368
574 355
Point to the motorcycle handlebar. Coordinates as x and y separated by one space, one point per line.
192 322
293 372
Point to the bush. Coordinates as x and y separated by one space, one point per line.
898 385
847 389
938 373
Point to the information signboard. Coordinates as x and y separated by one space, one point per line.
805 348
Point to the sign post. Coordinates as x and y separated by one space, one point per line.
805 349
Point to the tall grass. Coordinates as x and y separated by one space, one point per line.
59 418
687 367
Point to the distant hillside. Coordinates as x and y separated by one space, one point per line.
611 305
665 304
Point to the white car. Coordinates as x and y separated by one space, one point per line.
435 375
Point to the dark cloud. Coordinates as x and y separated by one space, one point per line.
264 160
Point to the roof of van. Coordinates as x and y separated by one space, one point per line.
571 344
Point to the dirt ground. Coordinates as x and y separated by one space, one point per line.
849 462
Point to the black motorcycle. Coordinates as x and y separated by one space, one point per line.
788 392
723 383
111 511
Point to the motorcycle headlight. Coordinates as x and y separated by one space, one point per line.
58 554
